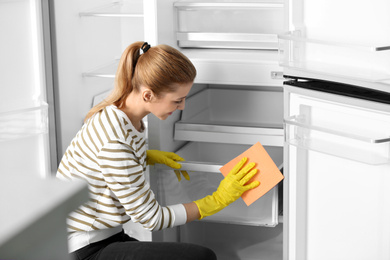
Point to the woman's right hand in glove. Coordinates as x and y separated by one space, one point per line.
230 189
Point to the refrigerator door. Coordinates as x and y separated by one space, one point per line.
337 191
24 110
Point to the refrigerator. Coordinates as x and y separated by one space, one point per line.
308 80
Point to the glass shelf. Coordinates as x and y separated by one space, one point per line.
112 10
360 62
226 116
105 71
194 5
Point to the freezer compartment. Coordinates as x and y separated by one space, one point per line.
233 116
203 161
229 24
332 58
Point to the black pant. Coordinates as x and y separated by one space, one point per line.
123 247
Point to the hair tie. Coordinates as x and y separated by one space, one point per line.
145 47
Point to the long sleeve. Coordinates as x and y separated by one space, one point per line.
109 154
126 181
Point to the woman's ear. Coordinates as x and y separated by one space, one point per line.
147 95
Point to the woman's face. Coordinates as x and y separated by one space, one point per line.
168 102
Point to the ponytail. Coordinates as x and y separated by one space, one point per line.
158 68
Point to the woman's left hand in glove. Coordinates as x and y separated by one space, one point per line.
168 158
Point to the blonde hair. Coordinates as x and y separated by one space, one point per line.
160 68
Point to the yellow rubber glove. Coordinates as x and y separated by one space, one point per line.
168 158
230 189
184 173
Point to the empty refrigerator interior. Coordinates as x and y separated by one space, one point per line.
219 123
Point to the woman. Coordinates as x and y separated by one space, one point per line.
109 152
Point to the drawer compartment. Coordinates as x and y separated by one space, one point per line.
229 24
232 116
203 161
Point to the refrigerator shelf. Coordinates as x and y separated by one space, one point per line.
105 71
359 62
207 24
212 67
194 5
227 40
227 116
203 161
117 9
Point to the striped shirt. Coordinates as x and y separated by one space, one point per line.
110 155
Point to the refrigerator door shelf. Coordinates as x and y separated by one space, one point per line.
327 58
232 116
24 122
203 161
209 24
362 149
